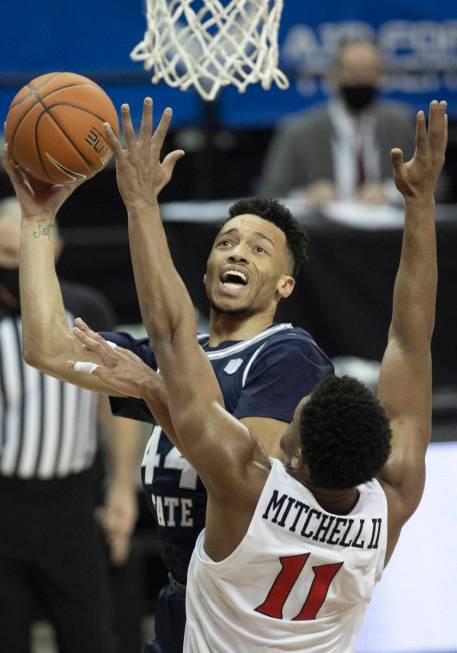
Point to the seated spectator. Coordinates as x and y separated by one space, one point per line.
341 150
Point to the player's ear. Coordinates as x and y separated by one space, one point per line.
204 278
298 460
286 285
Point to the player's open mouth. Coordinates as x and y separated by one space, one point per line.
233 282
234 278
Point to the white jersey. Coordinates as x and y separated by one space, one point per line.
299 580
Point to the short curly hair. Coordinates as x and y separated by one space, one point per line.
275 212
345 434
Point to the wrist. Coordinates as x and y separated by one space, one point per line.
141 206
42 216
426 200
123 480
39 226
146 390
150 387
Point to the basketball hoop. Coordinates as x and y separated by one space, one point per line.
209 44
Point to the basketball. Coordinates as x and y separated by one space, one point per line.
54 127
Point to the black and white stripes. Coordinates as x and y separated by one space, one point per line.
47 427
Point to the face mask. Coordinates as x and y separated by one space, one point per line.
9 278
357 98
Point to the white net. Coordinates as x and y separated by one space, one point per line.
209 44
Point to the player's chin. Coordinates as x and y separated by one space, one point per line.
227 307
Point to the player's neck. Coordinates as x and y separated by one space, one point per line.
237 327
339 502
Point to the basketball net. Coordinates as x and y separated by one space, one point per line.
208 44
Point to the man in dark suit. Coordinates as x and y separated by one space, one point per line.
341 150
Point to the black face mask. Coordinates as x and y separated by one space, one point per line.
357 98
9 279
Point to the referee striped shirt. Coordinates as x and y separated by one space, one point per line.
48 429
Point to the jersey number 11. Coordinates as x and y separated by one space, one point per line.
291 568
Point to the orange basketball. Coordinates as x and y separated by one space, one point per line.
54 127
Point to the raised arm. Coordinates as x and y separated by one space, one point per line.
47 338
215 443
405 385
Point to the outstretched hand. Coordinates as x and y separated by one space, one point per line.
120 369
140 173
417 178
35 197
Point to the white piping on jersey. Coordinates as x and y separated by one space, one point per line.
251 360
233 365
234 349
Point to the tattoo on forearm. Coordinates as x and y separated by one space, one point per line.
44 230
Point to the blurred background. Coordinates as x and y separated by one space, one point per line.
343 296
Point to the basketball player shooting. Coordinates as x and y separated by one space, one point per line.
290 552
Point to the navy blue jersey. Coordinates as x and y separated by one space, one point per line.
263 376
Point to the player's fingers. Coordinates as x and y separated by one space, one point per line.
397 160
146 121
437 129
162 128
85 331
446 120
127 127
433 122
15 168
102 348
106 344
171 159
84 367
88 342
443 125
6 158
10 167
63 191
85 328
113 140
421 133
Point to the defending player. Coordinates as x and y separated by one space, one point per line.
290 554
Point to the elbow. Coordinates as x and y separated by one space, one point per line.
33 347
174 337
37 357
412 341
49 352
32 357
29 355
